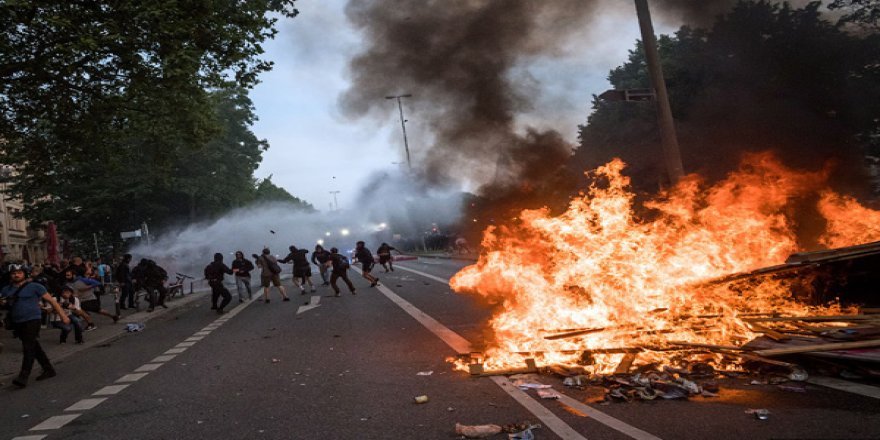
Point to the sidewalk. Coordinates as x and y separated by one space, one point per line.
107 331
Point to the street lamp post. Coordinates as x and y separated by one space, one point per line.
335 203
403 125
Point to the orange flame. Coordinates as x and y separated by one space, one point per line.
637 274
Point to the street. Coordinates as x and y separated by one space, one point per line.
322 367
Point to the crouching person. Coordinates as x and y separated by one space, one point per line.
71 307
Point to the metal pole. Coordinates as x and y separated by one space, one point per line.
335 203
671 153
97 250
403 126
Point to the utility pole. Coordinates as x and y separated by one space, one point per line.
335 203
671 153
403 125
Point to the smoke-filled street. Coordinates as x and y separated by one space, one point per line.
352 366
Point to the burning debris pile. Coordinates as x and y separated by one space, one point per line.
642 295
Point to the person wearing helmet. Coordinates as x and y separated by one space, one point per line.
23 299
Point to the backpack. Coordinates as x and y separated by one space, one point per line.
272 265
342 261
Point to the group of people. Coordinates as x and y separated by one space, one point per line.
332 266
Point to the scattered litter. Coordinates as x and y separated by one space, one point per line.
477 431
798 375
450 409
425 373
421 399
548 394
275 361
760 414
758 382
24 416
134 327
522 435
576 381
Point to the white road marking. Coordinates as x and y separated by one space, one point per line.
202 333
86 404
55 422
442 332
607 420
30 437
314 302
194 338
185 344
110 390
845 385
550 420
176 350
147 367
163 358
426 275
133 377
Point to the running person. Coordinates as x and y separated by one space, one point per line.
214 274
385 259
302 270
242 268
363 255
340 270
321 258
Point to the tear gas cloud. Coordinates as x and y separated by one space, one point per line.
391 208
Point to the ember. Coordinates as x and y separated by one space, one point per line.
609 278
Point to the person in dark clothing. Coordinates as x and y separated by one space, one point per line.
321 258
214 274
26 317
126 284
242 268
365 257
154 281
302 270
340 270
385 259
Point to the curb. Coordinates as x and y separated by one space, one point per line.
445 257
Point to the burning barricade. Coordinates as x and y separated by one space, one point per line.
658 299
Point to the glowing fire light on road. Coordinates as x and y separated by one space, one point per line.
637 274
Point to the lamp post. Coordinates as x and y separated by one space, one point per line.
335 203
403 125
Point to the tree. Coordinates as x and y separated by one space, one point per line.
764 77
100 102
266 191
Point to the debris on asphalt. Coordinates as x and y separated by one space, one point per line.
421 399
134 327
477 431
275 361
425 373
760 414
793 388
549 394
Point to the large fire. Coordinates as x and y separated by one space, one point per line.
625 275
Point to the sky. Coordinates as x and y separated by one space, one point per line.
314 149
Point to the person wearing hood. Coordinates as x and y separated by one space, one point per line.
214 274
302 270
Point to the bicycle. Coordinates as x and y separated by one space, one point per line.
178 286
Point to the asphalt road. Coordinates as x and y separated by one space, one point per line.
349 369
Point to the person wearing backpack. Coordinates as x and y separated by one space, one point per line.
214 274
340 270
23 299
270 273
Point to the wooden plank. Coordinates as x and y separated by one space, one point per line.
770 333
818 348
827 318
573 334
625 363
706 346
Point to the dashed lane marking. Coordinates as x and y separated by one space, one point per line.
110 390
163 358
30 437
176 350
186 344
607 420
194 338
55 422
133 377
148 367
314 302
86 404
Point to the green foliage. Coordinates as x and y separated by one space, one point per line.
268 192
129 111
765 76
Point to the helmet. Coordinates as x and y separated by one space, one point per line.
16 267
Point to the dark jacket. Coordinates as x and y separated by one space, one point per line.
298 257
340 262
363 255
214 271
321 257
244 267
123 273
